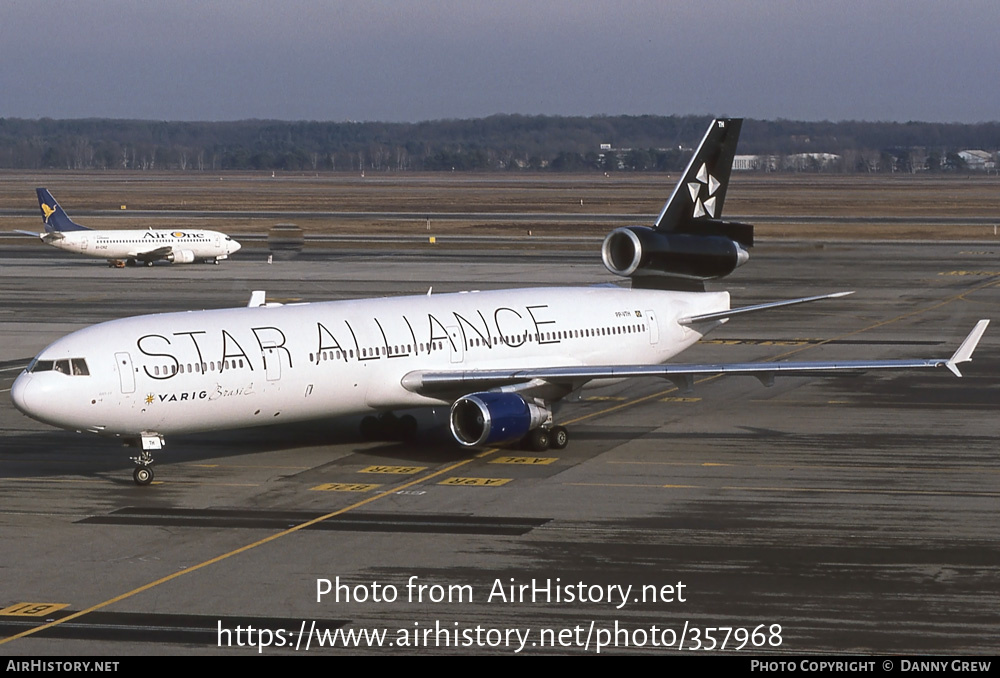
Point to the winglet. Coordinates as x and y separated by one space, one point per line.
964 352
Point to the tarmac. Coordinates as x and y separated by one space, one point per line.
844 515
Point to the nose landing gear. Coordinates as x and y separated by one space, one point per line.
143 473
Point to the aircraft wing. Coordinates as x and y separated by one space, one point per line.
153 255
573 377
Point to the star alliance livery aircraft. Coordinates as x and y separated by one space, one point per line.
499 359
130 247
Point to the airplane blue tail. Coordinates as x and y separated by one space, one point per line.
53 216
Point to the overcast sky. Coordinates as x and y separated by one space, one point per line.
414 60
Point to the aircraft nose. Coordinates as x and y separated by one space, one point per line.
19 393
234 246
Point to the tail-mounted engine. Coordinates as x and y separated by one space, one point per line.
494 417
647 254
689 242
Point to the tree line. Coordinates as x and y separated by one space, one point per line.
494 143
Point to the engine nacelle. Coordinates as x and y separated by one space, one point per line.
494 417
181 257
635 251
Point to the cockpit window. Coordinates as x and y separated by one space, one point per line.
40 366
72 366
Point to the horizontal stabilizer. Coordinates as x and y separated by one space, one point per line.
705 317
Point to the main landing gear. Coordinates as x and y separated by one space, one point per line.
388 426
542 439
143 473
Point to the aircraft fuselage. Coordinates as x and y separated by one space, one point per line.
199 243
232 368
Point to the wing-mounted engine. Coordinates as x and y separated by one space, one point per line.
715 251
494 417
176 256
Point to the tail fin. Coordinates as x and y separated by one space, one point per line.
53 216
696 203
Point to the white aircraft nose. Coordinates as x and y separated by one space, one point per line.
234 246
19 393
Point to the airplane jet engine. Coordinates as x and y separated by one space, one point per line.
640 251
180 256
494 417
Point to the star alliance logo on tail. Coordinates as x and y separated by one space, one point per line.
707 181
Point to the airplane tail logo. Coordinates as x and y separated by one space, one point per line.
53 216
700 194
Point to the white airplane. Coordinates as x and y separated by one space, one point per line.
130 247
499 359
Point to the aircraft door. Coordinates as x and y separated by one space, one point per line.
272 362
457 344
654 328
126 374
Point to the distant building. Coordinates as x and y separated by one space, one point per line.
750 163
810 161
978 160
